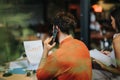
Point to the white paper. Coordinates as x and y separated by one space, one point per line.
101 57
18 64
33 50
22 64
32 67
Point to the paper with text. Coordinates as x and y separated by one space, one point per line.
33 50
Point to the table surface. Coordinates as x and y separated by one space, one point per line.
18 77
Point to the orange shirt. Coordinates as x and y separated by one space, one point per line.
71 61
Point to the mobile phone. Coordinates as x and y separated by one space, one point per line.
54 34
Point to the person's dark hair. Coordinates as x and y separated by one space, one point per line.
65 21
116 14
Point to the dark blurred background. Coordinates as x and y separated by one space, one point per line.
22 20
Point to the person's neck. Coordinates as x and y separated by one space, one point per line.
62 37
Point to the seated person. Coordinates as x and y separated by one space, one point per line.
115 21
71 61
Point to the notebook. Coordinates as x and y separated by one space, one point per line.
101 57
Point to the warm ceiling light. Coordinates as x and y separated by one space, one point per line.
97 8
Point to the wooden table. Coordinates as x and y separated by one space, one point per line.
18 77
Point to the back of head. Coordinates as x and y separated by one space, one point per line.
116 14
65 21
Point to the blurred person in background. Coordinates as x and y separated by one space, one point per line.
71 61
112 72
94 24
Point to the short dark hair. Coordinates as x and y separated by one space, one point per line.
116 14
65 21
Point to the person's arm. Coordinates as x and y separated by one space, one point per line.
46 66
116 46
47 48
108 68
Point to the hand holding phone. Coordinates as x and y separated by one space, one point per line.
54 35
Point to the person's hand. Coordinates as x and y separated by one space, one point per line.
47 48
105 52
47 45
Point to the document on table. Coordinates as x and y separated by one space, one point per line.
18 64
33 50
101 57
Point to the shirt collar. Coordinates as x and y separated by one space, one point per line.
66 39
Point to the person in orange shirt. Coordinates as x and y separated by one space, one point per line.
71 61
